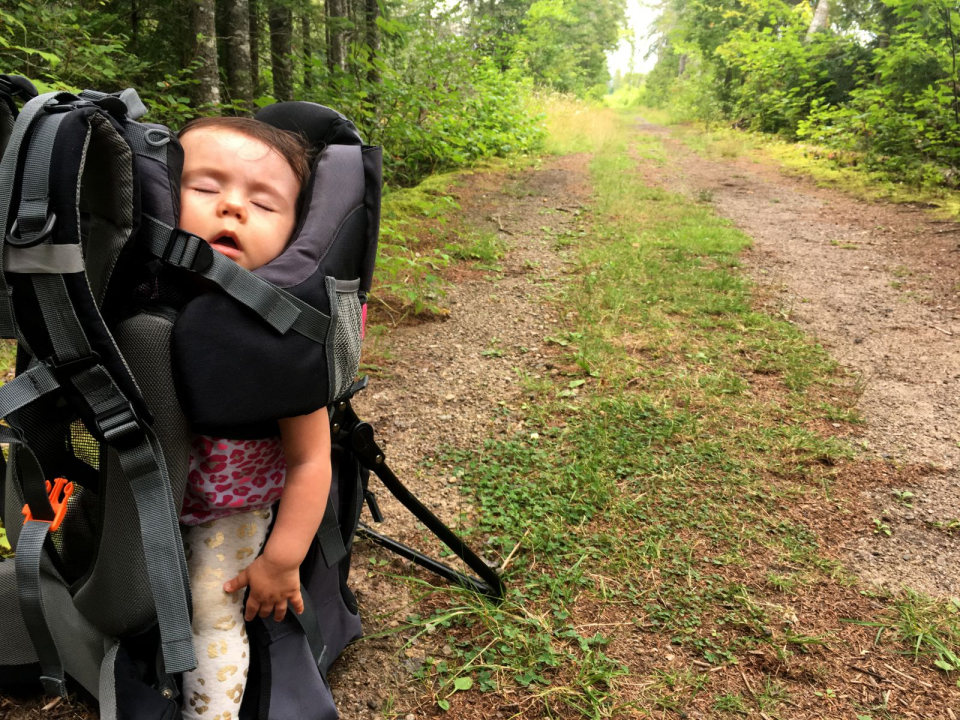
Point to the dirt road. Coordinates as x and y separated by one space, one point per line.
879 286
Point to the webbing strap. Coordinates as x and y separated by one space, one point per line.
8 171
60 319
34 209
329 536
26 387
274 305
8 436
27 568
146 473
311 627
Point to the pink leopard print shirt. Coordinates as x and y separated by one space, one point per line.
230 476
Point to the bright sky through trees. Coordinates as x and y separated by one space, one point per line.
640 17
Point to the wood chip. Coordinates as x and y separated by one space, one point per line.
51 705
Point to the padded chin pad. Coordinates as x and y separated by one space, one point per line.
235 377
319 124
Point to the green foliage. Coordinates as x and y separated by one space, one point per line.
564 43
882 82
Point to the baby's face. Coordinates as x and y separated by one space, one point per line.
238 194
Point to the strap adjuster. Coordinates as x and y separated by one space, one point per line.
59 494
119 425
187 251
14 238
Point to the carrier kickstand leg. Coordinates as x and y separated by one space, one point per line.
359 437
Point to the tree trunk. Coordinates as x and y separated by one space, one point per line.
280 19
307 48
373 39
336 34
239 76
683 65
134 24
203 23
254 23
821 19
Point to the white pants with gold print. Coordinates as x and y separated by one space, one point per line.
216 552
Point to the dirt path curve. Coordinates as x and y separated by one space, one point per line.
443 388
879 286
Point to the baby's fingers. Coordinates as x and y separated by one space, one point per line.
296 602
280 610
234 584
252 609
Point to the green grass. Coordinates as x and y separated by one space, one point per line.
483 247
828 168
651 471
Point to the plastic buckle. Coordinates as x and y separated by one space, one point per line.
187 251
119 426
14 238
58 495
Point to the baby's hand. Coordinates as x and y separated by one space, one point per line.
272 589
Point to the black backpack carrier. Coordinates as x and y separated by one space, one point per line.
106 298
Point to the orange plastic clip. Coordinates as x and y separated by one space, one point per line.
61 492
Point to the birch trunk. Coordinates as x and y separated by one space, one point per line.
203 22
238 61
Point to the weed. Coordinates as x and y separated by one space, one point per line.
486 248
904 497
730 704
881 528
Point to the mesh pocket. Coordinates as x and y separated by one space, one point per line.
347 337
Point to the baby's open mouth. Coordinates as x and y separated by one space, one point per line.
225 241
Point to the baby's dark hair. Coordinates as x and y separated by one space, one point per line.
291 147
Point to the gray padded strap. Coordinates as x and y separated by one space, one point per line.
135 107
276 306
45 258
8 171
27 566
145 472
26 387
329 536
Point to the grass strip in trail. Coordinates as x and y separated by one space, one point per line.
828 167
665 512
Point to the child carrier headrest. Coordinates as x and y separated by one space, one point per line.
236 376
319 124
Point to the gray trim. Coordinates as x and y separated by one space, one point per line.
348 286
331 285
108 681
45 258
